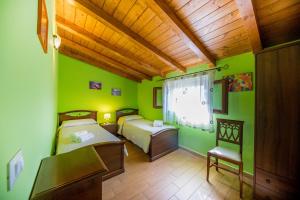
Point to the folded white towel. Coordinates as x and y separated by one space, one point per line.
158 123
81 136
80 133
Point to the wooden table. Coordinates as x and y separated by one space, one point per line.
73 175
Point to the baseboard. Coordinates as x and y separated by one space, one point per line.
245 174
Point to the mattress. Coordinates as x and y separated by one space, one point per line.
139 131
65 143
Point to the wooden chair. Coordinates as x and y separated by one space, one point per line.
230 131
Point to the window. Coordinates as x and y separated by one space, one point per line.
188 101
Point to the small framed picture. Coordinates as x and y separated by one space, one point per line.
42 25
95 85
116 92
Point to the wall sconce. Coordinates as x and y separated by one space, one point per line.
56 41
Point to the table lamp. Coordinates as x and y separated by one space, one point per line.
106 117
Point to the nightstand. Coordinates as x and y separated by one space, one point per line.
110 127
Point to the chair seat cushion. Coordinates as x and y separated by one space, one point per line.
226 153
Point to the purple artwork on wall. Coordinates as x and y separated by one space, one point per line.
95 85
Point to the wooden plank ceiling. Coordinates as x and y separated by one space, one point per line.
139 39
279 21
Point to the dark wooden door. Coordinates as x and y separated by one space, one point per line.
278 112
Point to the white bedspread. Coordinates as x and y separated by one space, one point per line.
65 143
139 131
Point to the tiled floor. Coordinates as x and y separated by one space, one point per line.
178 175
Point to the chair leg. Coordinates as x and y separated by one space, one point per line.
217 164
208 166
241 180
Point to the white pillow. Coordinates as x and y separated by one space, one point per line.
131 117
78 122
123 119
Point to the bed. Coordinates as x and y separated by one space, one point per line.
162 140
110 148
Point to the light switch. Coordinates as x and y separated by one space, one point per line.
15 167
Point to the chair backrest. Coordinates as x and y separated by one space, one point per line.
230 131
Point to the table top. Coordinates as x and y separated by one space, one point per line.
107 124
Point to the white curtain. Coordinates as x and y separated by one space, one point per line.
188 101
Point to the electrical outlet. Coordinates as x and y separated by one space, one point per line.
15 167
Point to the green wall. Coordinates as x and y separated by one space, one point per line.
145 99
240 107
74 92
28 93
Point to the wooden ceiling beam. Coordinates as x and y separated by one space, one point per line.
116 25
104 59
86 35
190 39
247 13
87 59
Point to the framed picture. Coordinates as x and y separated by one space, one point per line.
95 85
42 25
157 97
240 82
220 96
116 92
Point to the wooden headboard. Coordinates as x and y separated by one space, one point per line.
77 114
125 112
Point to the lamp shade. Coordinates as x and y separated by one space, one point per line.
107 116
